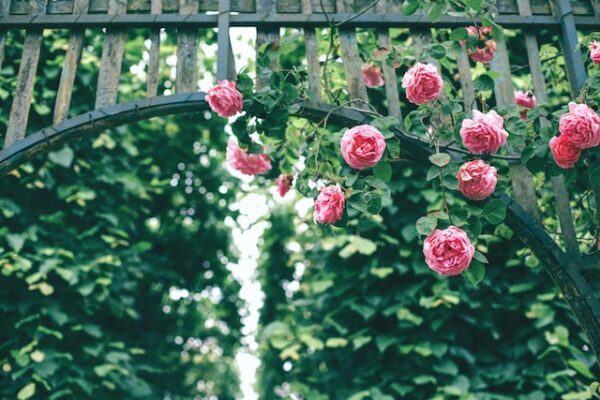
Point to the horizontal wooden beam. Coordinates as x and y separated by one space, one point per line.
275 20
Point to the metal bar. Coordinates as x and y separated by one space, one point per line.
223 44
277 20
570 46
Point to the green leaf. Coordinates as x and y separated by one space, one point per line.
475 273
436 11
383 171
495 211
581 368
15 241
26 392
63 157
484 83
360 341
409 7
426 225
459 34
336 342
440 159
437 51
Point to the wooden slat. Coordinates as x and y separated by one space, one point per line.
312 55
352 61
187 52
389 74
72 58
289 6
154 54
225 61
19 111
112 59
521 179
267 36
466 80
4 9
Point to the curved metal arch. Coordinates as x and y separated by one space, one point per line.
563 270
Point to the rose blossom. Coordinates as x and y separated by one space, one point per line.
225 99
477 179
525 99
284 183
484 50
371 75
423 83
248 164
564 152
448 251
362 146
594 51
484 134
581 125
329 205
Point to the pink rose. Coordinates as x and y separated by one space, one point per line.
448 251
225 99
423 83
362 146
594 51
525 99
485 47
477 179
564 152
581 125
484 134
330 204
248 164
371 75
284 183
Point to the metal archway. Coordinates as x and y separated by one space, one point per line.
563 270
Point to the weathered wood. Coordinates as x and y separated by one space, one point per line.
466 80
224 50
154 54
521 179
70 64
112 59
289 6
267 36
389 74
312 55
570 46
187 51
23 94
352 62
4 9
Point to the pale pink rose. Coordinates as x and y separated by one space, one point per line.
448 251
371 75
594 51
485 47
525 99
564 152
484 133
225 99
362 146
477 179
330 205
423 83
284 183
581 125
242 161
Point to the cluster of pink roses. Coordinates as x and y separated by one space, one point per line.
594 48
526 100
579 129
485 47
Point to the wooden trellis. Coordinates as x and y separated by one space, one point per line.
566 268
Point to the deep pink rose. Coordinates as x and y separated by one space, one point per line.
526 100
485 47
248 164
448 251
477 179
564 152
423 83
484 133
329 205
581 125
371 75
362 146
225 99
594 48
284 183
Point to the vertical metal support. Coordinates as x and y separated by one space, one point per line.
570 46
223 43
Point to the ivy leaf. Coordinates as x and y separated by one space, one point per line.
475 273
495 211
426 225
440 159
383 171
